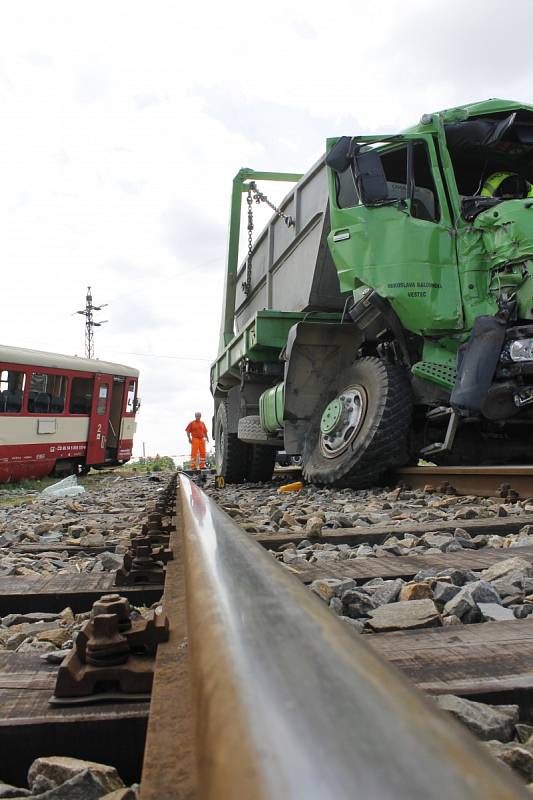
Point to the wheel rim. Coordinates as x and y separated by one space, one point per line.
341 421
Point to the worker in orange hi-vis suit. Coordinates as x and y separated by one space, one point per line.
197 435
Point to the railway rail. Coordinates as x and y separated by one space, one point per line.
257 689
493 481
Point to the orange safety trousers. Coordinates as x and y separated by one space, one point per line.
198 449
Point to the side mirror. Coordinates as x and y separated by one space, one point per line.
367 169
340 155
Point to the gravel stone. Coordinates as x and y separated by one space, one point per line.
508 585
92 540
416 591
314 526
523 611
443 592
386 592
121 794
336 606
34 616
515 566
486 721
460 605
59 769
451 619
405 615
357 625
326 588
493 612
524 732
464 604
515 755
439 540
83 786
6 790
110 561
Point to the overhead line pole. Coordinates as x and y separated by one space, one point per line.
90 323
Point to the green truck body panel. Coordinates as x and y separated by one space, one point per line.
414 259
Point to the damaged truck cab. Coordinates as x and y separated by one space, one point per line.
387 310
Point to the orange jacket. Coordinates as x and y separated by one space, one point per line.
197 429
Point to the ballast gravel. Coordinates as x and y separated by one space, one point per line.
112 510
260 508
65 778
458 596
434 597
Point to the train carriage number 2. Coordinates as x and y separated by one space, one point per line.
99 435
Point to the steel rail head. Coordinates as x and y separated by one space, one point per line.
291 703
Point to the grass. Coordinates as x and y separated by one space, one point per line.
156 464
17 500
31 485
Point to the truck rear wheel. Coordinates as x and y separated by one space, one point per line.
230 454
360 428
261 463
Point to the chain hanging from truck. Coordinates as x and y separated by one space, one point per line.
253 194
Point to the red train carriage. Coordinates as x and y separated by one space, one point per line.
63 414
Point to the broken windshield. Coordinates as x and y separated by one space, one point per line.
492 159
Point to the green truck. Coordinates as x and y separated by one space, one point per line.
385 314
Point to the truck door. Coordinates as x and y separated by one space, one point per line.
403 244
99 420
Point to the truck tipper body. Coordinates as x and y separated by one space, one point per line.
385 313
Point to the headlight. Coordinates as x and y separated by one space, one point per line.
521 350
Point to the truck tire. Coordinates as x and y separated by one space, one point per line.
231 455
360 428
261 463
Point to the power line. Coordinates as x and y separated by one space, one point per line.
173 276
90 323
155 355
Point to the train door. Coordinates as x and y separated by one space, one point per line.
115 417
99 420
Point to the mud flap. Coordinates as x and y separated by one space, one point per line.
314 354
477 360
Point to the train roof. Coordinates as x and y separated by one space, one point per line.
39 358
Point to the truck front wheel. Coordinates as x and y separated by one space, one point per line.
231 456
360 428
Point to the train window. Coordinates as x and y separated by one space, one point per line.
47 393
101 406
11 390
81 395
130 400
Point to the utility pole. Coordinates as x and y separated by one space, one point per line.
90 323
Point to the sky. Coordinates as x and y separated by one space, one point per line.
122 125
